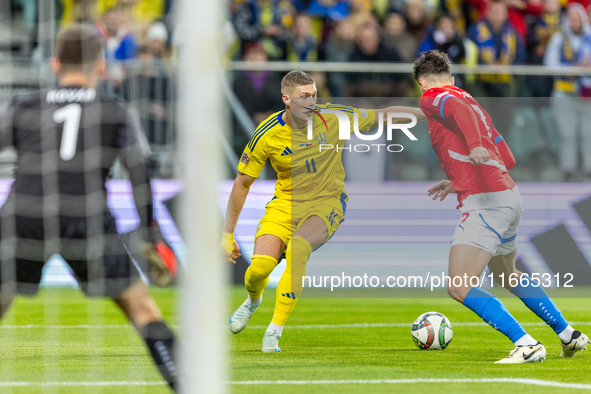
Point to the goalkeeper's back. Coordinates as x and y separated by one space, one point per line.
67 139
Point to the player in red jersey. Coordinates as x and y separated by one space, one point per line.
476 160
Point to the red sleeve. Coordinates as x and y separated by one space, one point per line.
460 111
506 154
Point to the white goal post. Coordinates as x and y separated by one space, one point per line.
201 122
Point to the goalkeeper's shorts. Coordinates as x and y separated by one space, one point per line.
91 247
283 217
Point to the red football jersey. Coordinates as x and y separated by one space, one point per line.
457 124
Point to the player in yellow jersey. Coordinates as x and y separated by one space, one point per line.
310 199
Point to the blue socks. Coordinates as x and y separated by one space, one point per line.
492 311
537 300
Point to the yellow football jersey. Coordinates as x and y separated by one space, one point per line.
304 172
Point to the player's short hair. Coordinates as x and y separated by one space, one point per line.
293 79
78 48
432 63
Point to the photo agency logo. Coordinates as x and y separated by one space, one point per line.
344 124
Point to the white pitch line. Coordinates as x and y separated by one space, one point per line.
295 327
76 384
533 382
378 325
88 326
70 326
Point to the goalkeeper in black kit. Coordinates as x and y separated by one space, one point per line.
67 139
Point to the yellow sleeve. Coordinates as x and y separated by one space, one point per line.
366 118
254 156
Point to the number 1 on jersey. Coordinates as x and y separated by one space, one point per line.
70 117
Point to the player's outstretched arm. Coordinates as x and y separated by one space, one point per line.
240 190
441 190
417 112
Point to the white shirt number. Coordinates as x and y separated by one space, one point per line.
70 117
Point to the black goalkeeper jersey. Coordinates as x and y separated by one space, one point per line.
67 139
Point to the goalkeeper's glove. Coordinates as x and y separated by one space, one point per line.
154 256
229 247
163 263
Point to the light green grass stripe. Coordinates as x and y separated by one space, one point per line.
533 382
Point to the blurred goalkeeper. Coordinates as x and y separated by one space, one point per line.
67 139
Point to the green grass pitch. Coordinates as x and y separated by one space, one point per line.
104 350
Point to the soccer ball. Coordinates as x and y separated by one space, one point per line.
432 331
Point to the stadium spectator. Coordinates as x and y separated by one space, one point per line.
540 29
370 48
120 43
341 43
456 10
264 21
321 84
256 89
417 18
150 90
302 46
397 37
361 12
339 48
572 47
498 43
444 37
517 10
334 10
157 40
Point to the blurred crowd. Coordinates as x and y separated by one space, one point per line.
506 32
488 32
126 25
137 36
